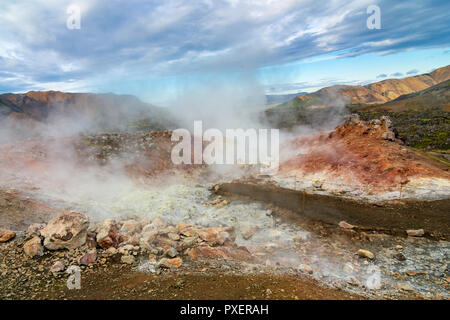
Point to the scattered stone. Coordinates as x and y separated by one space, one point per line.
111 251
388 135
58 266
173 236
33 247
152 258
404 286
223 252
157 222
147 267
148 239
149 227
318 184
35 229
247 231
213 236
386 120
348 268
354 119
305 268
170 263
172 253
346 225
128 259
415 233
400 257
67 231
6 235
365 254
90 240
108 234
88 258
130 227
188 242
126 249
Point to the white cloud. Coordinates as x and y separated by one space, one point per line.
137 38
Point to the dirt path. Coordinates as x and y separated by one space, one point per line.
135 285
30 278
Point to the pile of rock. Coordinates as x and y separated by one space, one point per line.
164 246
6 235
384 124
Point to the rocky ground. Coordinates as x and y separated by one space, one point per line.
152 260
361 160
117 261
422 129
115 206
109 278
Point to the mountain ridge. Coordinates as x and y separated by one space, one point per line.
373 93
36 113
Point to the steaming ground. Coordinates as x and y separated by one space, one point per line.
320 252
128 176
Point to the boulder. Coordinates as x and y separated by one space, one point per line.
170 263
157 222
365 254
35 229
111 251
148 239
304 268
173 236
6 235
171 252
213 236
345 225
221 252
248 231
91 240
108 234
33 247
128 259
87 258
58 266
415 233
68 231
388 135
353 119
130 227
188 242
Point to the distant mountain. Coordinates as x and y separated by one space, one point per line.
436 97
326 107
37 113
374 93
272 99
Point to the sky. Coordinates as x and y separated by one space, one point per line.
157 50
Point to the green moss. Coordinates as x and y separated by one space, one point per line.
423 129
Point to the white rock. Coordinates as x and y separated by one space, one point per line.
58 266
128 259
365 254
305 268
33 247
67 231
415 233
